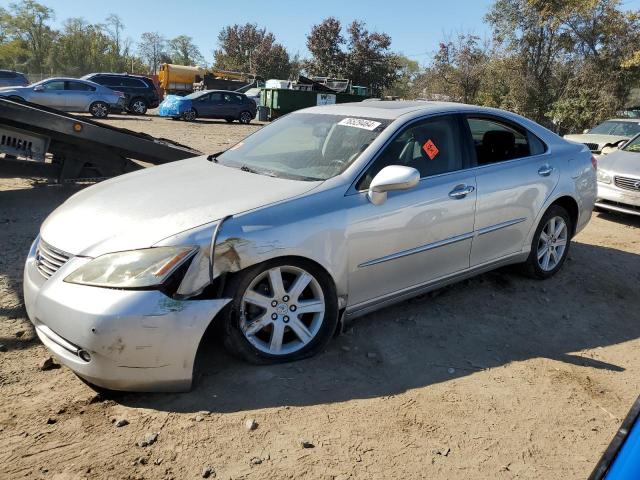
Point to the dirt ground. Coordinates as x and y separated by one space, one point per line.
496 377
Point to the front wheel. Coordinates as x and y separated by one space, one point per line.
282 310
99 109
245 118
550 244
190 115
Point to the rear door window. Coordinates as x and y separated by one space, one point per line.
132 83
496 140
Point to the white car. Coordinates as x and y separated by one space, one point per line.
619 179
610 133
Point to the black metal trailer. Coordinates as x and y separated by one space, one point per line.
80 148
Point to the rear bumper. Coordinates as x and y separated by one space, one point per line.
136 340
616 199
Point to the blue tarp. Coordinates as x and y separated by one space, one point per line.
174 106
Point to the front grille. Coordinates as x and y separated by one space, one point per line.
49 259
627 183
592 146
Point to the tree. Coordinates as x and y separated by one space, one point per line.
247 48
457 70
152 50
184 52
80 48
362 56
25 26
408 73
325 43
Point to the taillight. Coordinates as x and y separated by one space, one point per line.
594 162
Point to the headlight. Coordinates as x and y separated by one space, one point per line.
148 267
603 177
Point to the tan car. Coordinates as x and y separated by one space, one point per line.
610 133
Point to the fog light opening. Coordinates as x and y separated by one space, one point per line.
84 355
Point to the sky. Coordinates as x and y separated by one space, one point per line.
415 26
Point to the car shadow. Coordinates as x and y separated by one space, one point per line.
436 338
623 218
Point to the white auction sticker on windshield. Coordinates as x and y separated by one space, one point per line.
359 123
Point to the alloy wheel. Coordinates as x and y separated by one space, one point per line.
245 117
282 310
139 107
190 115
552 243
99 110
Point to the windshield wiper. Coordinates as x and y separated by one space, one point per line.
248 169
244 168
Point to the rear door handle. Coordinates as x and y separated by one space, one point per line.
461 191
545 170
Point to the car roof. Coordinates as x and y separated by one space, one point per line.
71 79
392 109
632 120
116 74
10 71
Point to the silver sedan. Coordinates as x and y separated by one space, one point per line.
322 216
619 179
70 95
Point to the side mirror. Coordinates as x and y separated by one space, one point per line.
38 88
586 130
393 177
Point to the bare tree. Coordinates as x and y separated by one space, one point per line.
152 49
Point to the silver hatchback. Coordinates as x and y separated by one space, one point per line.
70 95
322 216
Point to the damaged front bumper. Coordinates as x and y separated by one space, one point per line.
133 340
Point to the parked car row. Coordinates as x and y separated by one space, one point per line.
100 93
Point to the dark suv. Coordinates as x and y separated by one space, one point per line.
9 78
140 92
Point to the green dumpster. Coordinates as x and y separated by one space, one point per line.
281 101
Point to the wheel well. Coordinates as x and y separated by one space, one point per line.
571 206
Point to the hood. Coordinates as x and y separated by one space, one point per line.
621 162
599 139
139 209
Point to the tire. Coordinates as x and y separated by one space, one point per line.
190 115
282 335
229 120
548 253
138 106
245 117
99 109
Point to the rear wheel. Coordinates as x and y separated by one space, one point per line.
245 118
229 120
190 115
138 106
550 244
99 109
282 310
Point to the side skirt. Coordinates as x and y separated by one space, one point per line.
369 306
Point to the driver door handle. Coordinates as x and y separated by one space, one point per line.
461 191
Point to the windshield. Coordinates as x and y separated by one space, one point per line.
627 129
633 145
305 146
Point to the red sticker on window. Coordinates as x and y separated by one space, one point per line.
430 149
